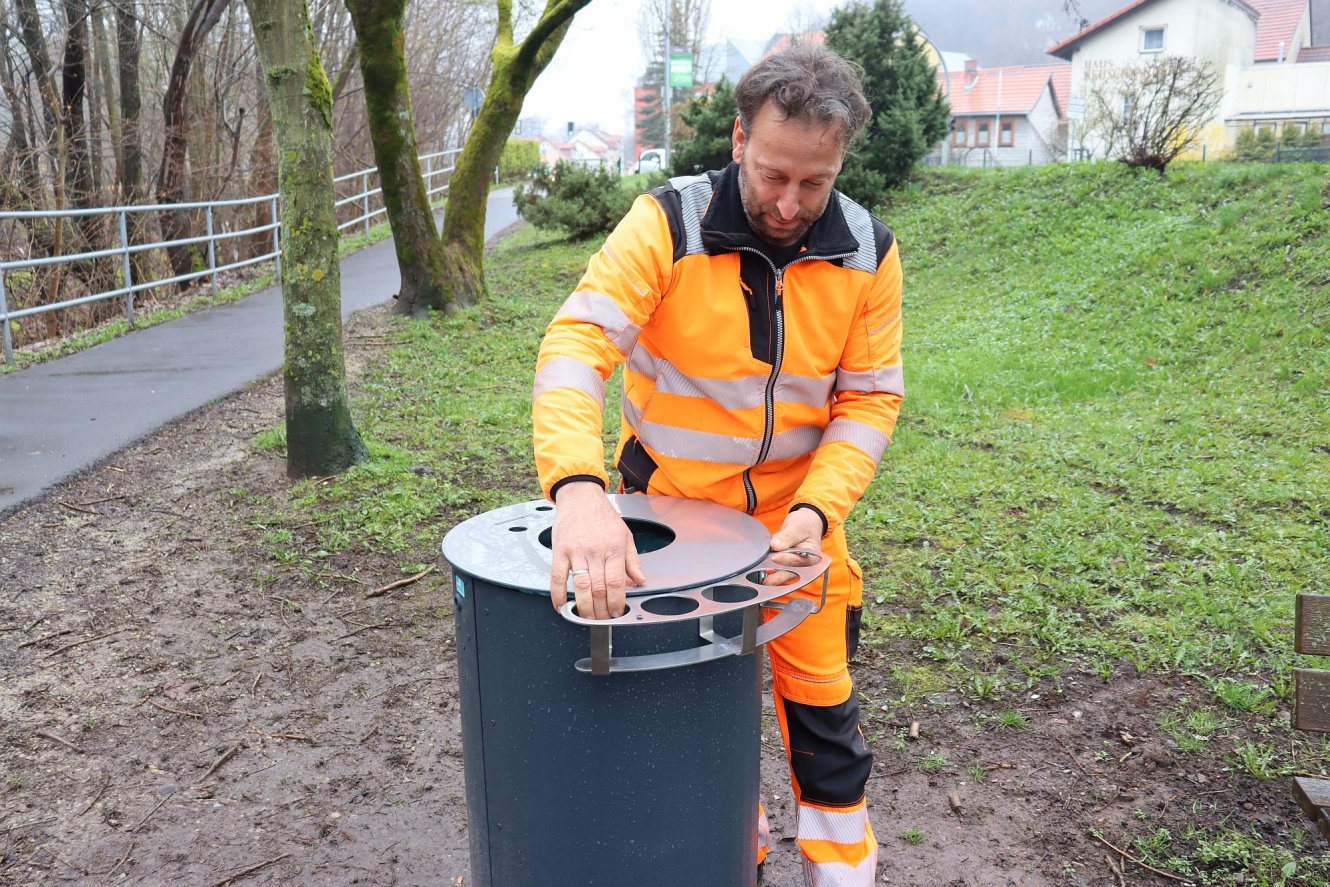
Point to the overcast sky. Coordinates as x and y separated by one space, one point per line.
591 78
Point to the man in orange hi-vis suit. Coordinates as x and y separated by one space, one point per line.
758 311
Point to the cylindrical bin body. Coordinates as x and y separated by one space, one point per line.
647 778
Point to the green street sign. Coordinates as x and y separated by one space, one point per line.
681 69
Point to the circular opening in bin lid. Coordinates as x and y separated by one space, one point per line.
647 535
682 543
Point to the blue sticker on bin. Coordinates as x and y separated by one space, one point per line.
460 586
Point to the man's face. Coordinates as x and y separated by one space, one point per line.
786 172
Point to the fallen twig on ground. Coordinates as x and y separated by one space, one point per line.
72 507
248 871
175 711
41 734
226 756
138 824
292 736
401 582
46 637
68 647
122 860
97 797
1125 855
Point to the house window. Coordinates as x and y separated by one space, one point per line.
1007 134
981 133
959 133
1152 39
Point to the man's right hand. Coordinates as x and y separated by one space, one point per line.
594 546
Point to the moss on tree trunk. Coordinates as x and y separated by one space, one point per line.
381 50
320 436
445 272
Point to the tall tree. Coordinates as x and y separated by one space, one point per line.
131 100
456 262
909 113
516 67
320 436
74 90
710 118
171 176
381 48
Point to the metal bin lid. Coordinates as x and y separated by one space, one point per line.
683 543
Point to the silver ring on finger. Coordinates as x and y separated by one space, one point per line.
579 572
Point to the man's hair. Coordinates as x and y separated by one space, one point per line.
808 83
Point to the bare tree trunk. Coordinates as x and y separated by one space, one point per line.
381 48
515 70
25 190
131 143
102 42
171 175
320 436
30 32
74 87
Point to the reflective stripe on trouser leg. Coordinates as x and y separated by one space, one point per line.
830 764
819 723
763 835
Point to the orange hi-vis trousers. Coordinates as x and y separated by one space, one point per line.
819 724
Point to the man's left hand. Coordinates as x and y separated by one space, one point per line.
802 530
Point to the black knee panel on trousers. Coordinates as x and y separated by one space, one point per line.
828 754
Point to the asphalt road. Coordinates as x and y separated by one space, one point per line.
63 416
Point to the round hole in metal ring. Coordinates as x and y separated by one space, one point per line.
729 594
669 605
772 577
647 535
544 508
517 529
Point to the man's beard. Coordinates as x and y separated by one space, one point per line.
756 214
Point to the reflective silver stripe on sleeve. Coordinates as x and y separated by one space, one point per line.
732 394
694 195
598 308
565 372
861 226
886 380
865 437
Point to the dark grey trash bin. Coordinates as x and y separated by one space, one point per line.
621 753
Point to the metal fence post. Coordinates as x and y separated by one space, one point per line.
212 256
364 203
4 319
128 267
276 240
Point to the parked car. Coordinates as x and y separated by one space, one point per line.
651 160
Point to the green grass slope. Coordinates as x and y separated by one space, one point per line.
1115 442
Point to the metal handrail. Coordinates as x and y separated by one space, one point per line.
435 164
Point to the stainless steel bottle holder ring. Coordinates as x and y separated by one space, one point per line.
751 592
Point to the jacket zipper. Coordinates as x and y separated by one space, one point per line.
777 359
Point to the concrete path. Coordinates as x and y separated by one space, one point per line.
63 416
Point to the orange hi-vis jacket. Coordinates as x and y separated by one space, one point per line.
756 377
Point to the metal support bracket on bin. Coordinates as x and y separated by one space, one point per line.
746 592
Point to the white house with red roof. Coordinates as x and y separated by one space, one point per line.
1010 116
1273 76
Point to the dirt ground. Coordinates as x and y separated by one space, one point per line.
179 709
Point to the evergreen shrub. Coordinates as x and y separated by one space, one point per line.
583 202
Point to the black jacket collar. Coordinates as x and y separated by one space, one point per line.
724 226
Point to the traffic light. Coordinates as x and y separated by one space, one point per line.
570 129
